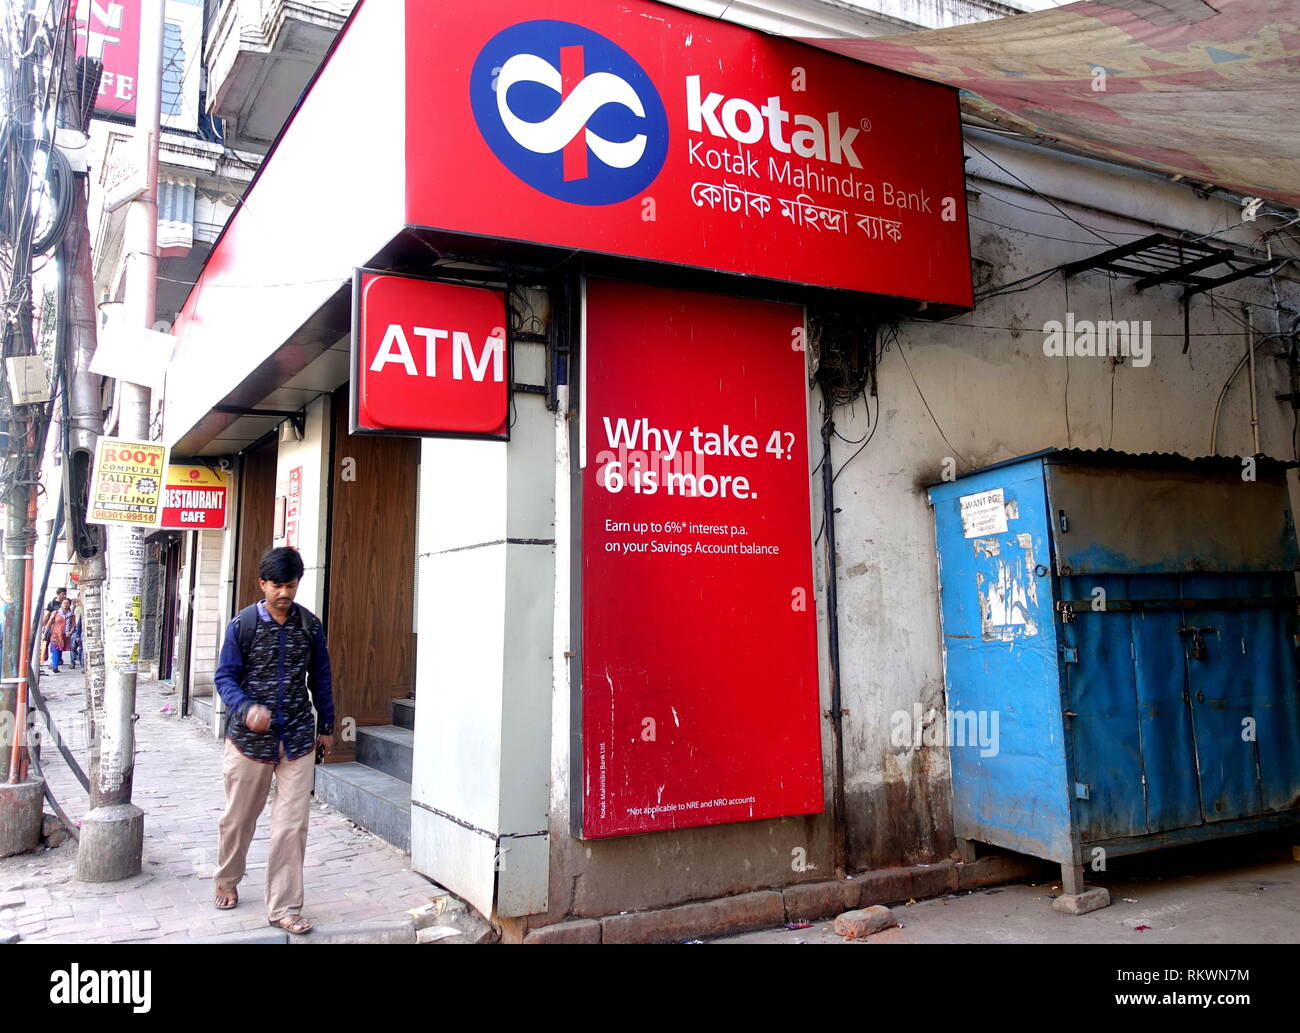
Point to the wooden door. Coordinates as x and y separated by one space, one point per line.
371 616
256 520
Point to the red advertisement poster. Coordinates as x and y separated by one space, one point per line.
292 507
699 650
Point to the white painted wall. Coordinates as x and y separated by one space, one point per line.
483 664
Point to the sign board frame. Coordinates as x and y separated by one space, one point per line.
105 443
356 352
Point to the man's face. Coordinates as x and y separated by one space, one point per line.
279 597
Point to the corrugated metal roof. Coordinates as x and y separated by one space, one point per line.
1264 465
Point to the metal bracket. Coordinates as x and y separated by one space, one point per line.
1066 611
298 418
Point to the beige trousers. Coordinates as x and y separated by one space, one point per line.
247 784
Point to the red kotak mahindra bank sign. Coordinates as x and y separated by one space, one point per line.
637 129
428 358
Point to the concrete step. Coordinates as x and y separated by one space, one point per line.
404 713
378 802
201 709
386 748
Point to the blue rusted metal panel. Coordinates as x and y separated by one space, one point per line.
1134 627
1002 665
1142 521
1102 714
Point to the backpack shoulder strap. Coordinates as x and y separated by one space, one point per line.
247 619
310 624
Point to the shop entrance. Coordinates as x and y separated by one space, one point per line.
371 592
256 519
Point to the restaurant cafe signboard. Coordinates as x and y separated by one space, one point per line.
194 499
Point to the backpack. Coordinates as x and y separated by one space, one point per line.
247 620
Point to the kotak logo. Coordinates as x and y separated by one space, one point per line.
569 112
745 122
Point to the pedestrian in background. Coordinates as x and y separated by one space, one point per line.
54 604
274 651
57 632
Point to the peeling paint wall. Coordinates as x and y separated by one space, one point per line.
990 394
995 395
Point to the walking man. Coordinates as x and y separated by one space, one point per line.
273 652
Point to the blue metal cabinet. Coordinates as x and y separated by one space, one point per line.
1125 626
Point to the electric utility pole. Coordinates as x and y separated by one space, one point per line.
20 797
112 834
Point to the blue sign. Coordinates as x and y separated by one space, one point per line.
569 112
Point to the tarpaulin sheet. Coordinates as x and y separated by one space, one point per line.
1176 86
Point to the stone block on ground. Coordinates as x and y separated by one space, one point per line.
53 831
1094 898
858 925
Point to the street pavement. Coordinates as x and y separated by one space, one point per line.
351 876
1244 890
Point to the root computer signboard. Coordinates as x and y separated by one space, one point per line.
699 653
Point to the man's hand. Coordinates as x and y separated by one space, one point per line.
326 741
258 718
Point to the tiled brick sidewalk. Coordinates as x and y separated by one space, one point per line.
351 876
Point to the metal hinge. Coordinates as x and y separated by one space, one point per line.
1082 791
1063 520
1071 655
1066 611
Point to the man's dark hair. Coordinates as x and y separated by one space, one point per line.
280 565
60 591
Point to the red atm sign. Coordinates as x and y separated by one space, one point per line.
428 359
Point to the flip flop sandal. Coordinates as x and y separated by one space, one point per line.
232 896
295 924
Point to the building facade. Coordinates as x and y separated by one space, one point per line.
455 576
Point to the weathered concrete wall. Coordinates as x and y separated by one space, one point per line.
994 395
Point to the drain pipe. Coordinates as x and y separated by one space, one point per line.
836 714
1250 354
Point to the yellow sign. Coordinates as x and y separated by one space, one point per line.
128 483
